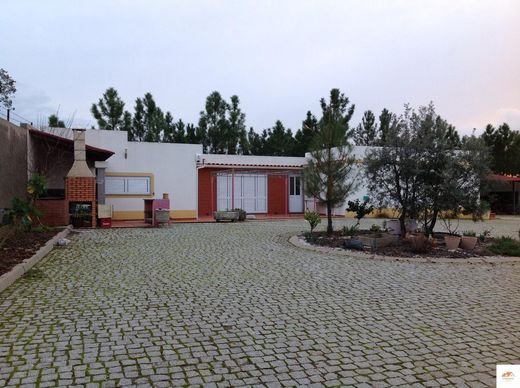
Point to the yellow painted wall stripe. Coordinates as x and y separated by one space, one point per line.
139 214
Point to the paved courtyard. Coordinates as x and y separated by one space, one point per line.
236 305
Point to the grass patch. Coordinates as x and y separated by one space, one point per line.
34 273
506 246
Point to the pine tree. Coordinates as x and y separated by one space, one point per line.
127 125
304 136
138 121
109 110
504 145
153 119
278 141
180 132
236 130
385 121
55 122
169 134
366 133
244 148
329 173
255 143
453 136
214 125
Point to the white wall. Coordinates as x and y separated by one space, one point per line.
361 190
172 165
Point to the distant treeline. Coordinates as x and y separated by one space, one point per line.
222 129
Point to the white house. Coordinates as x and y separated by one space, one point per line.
197 183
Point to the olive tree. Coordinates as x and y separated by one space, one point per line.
423 170
392 170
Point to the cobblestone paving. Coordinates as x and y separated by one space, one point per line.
236 305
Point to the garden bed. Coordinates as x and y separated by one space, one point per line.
20 246
404 248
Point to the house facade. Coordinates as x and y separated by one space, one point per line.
199 184
124 174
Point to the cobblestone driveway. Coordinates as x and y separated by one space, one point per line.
235 304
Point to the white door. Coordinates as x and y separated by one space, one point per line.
224 192
295 194
261 194
249 194
245 192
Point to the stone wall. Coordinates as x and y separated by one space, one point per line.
13 162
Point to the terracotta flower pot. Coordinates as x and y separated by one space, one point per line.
468 243
452 242
420 242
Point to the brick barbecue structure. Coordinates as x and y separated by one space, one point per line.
80 183
55 211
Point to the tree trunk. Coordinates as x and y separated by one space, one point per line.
329 218
432 223
402 223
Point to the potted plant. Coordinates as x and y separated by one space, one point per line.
394 225
450 220
468 240
226 215
485 235
241 214
420 243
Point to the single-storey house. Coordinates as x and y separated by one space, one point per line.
122 173
85 168
197 184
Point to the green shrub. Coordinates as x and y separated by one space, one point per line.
506 246
22 214
469 233
313 218
350 230
484 235
360 208
315 239
241 213
375 228
36 186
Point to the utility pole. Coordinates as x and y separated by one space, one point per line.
9 113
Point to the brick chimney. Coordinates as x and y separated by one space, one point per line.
80 182
79 167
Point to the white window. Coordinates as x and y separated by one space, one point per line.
128 185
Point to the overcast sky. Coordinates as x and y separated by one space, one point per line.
279 57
